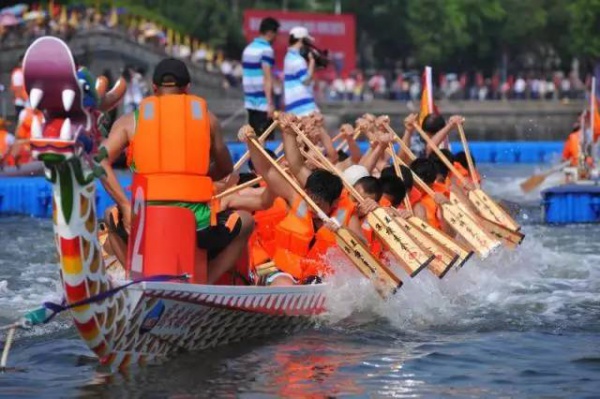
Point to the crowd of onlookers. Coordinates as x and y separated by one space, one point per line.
359 86
329 86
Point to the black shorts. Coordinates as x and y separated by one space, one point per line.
115 224
259 121
214 239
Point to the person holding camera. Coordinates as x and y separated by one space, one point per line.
298 69
258 59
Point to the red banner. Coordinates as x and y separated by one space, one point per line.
336 33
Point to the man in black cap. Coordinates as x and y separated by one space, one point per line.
176 144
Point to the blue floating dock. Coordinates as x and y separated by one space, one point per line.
571 203
32 196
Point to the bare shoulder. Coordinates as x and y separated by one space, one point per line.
125 124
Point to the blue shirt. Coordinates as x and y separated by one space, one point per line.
298 96
256 54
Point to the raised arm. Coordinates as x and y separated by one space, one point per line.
348 132
279 187
440 136
221 164
291 149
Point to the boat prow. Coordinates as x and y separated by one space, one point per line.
167 318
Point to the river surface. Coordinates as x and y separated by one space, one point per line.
522 324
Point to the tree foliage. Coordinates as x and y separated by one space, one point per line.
448 34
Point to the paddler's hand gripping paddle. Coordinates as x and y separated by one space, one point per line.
387 283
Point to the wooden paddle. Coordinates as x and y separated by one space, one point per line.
344 146
537 179
508 237
484 204
444 257
478 239
441 237
410 256
352 246
263 137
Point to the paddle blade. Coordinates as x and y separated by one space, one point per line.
410 255
532 183
451 245
476 237
510 238
490 210
386 281
444 259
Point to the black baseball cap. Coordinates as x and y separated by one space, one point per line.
175 69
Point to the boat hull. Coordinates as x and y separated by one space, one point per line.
170 318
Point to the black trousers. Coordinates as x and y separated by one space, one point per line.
259 121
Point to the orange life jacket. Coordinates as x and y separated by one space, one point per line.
18 91
4 149
414 195
375 245
384 201
571 150
465 173
265 222
24 133
441 188
299 248
171 148
431 210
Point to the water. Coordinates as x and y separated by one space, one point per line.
522 324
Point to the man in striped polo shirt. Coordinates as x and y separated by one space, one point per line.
298 75
258 59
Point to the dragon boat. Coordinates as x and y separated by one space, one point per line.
161 305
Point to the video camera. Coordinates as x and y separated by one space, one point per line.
321 56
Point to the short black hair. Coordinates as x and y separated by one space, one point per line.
342 156
388 171
268 24
461 158
293 40
325 185
393 187
244 177
407 176
371 185
425 169
270 152
433 123
440 166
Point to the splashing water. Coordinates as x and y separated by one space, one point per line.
523 323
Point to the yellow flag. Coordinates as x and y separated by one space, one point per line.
170 37
63 15
114 18
188 41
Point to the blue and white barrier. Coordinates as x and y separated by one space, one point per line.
32 196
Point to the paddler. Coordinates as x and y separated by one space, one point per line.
461 164
572 147
302 238
21 151
427 208
158 136
7 141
